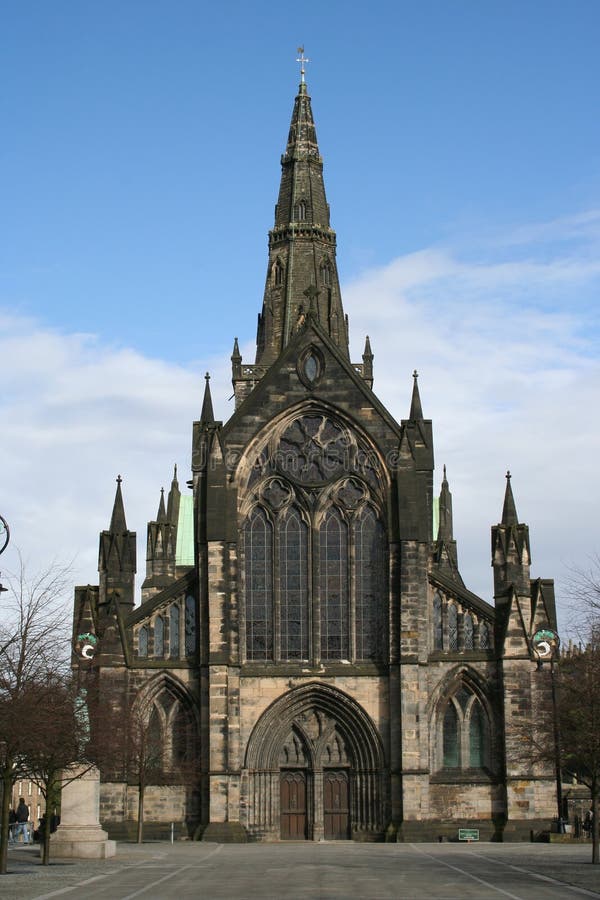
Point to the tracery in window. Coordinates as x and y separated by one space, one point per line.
438 634
159 636
313 543
468 631
174 619
258 557
190 626
452 627
369 558
301 211
464 731
333 564
293 585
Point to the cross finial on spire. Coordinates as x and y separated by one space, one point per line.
508 474
302 59
119 479
415 374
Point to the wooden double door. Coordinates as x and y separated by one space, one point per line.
298 807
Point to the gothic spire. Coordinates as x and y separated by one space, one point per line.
509 511
302 244
416 410
207 415
117 520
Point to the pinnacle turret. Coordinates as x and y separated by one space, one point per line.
511 555
509 511
207 416
173 499
161 515
445 528
368 362
117 520
416 410
117 557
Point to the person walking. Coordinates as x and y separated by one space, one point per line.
12 821
22 820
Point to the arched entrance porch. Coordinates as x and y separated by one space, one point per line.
314 769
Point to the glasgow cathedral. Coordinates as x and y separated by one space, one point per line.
305 653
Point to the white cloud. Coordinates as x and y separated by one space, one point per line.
509 373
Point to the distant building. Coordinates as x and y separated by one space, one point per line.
303 621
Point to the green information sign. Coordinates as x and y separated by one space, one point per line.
468 834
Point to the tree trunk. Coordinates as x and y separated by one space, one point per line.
45 844
140 821
595 829
6 792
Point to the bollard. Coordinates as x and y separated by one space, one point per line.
172 832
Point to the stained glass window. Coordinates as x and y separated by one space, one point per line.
143 641
190 626
174 630
333 560
452 627
159 636
476 736
468 631
438 634
484 636
258 555
293 585
369 556
154 743
451 738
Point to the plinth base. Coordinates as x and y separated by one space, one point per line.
81 842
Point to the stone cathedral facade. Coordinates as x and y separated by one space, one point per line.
306 655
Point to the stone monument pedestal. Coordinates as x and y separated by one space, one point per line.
79 834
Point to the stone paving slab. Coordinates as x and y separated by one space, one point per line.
307 871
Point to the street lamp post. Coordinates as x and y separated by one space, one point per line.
4 539
545 644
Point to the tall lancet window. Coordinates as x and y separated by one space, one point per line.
438 632
190 626
258 571
369 559
468 631
452 627
335 603
174 631
293 585
159 636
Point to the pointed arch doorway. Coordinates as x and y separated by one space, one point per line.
314 769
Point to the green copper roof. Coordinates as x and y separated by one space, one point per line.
436 519
184 554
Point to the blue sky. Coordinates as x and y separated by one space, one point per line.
139 168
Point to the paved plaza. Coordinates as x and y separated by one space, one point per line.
307 871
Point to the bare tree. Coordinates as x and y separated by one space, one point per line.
129 743
579 721
34 643
126 745
56 742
